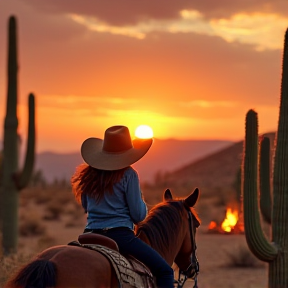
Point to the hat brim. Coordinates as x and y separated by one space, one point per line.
93 155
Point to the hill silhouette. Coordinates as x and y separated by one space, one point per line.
207 164
212 172
164 155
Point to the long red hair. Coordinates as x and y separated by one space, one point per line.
94 182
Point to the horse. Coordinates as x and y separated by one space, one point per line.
169 228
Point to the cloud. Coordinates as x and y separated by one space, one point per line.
94 24
127 12
262 30
208 104
187 64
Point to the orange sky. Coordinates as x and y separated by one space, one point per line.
190 70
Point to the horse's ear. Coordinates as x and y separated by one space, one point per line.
167 195
191 200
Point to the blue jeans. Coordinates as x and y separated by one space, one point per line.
128 243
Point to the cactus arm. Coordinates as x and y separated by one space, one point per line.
26 173
278 269
264 179
255 238
11 182
9 206
12 74
280 179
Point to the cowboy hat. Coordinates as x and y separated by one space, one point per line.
116 151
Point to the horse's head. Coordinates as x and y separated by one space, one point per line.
186 258
170 229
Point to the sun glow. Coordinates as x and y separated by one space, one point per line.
144 132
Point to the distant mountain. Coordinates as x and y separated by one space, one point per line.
214 171
164 155
57 165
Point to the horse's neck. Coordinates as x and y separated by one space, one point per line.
169 254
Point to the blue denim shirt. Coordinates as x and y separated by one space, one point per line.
124 208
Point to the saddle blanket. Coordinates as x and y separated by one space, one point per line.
131 273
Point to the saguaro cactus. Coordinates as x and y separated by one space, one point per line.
275 252
13 180
264 179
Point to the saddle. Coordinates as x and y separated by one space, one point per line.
131 273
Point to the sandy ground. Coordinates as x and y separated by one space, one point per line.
213 258
212 255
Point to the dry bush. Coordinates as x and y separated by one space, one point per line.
73 208
73 222
36 194
23 202
53 210
242 257
64 197
223 197
45 241
10 264
30 225
75 214
43 197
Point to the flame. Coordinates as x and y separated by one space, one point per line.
230 221
232 224
212 225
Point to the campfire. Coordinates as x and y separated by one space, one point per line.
230 225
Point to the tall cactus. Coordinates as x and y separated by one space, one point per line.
13 180
276 252
264 179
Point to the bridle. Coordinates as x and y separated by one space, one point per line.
193 268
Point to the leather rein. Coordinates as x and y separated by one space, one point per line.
193 268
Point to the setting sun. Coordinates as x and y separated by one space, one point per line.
144 132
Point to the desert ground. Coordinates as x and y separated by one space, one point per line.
50 216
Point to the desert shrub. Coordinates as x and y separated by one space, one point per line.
45 241
10 264
73 208
73 223
64 197
242 257
36 194
23 202
38 179
43 197
53 210
75 213
30 225
223 197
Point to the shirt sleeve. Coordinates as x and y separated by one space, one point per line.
136 204
84 202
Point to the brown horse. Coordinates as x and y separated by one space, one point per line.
169 228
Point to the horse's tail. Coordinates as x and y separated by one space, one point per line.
39 273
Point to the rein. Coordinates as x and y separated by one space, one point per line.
193 269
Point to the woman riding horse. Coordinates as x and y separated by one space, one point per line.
108 188
167 234
169 228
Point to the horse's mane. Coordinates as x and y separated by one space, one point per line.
163 222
